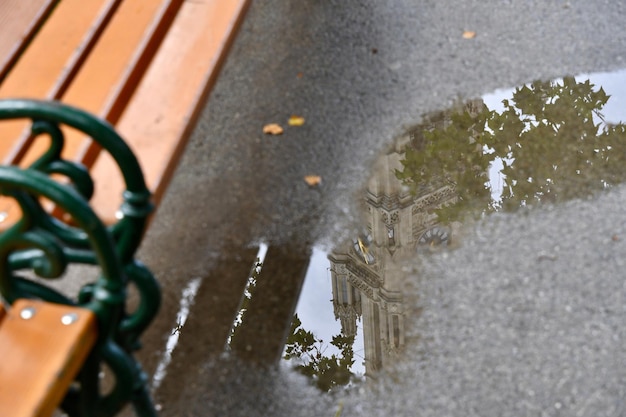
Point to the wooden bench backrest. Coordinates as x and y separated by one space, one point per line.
146 66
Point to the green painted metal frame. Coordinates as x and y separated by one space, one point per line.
41 243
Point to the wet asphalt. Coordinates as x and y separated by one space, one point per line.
525 318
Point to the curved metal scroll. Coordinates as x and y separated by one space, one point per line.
47 117
41 243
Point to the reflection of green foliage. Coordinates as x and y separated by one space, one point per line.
453 151
550 137
307 351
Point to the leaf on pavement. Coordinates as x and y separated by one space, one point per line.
469 34
313 180
273 129
296 120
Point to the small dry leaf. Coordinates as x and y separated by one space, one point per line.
296 120
313 180
468 34
272 129
299 75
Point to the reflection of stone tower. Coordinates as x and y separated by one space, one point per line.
346 298
366 278
366 282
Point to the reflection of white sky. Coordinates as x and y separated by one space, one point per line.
315 308
612 83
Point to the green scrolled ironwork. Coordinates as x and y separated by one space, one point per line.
46 246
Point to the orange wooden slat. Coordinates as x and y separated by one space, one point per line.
164 108
170 94
19 21
101 81
10 212
104 79
134 59
50 61
41 356
70 30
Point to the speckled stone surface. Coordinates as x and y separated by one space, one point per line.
526 318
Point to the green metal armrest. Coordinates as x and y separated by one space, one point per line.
40 242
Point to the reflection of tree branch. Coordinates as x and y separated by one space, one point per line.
550 138
307 351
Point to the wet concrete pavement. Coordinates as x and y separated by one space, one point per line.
524 318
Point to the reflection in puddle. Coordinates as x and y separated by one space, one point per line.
318 345
186 301
545 142
550 140
255 270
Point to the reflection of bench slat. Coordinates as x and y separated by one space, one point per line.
41 355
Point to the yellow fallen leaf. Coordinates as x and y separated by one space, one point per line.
468 34
313 180
296 120
272 129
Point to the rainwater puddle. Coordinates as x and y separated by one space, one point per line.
542 143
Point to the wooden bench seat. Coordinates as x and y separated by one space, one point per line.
146 66
43 346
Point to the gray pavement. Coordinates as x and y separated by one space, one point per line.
525 318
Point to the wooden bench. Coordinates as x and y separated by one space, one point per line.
145 67
40 244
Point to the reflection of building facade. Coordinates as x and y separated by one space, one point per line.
365 282
366 277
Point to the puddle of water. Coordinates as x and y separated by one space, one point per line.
545 142
542 143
